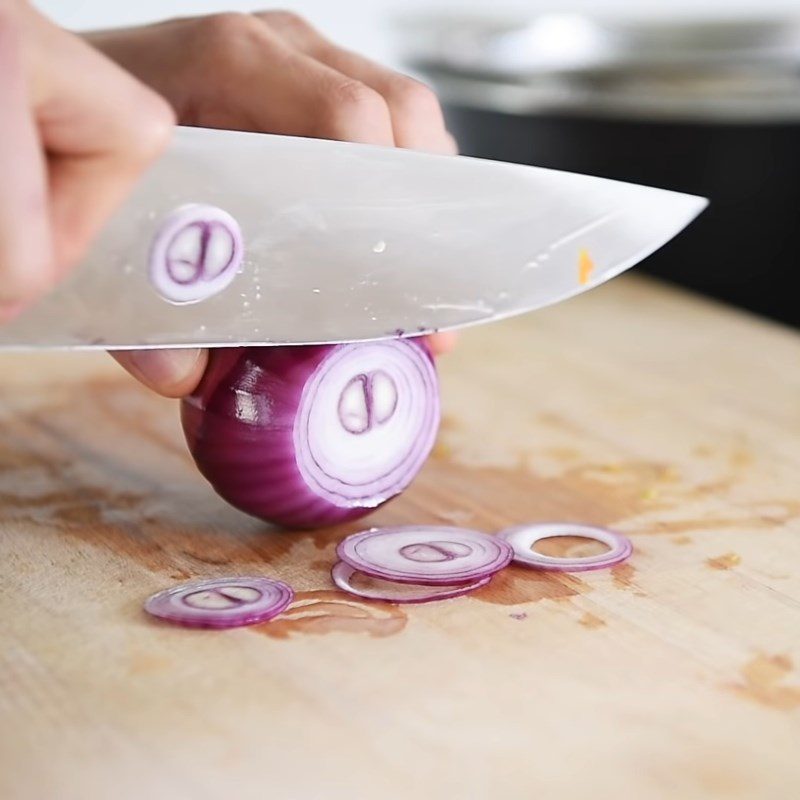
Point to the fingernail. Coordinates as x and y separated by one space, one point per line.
164 369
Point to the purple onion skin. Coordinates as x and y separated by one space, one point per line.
239 426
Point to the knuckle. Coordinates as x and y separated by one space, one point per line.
414 97
155 124
219 32
287 20
355 102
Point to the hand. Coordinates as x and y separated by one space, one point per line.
75 133
273 73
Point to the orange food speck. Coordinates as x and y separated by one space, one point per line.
585 267
726 561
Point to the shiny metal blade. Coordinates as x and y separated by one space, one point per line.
348 242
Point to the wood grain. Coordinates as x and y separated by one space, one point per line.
675 675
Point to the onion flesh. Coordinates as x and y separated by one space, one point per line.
221 602
523 537
431 555
314 435
343 576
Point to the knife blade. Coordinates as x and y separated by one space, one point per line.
348 242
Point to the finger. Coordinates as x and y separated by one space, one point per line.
100 128
171 373
417 119
443 342
282 90
25 247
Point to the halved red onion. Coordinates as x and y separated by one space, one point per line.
343 576
196 253
523 537
428 554
221 602
314 435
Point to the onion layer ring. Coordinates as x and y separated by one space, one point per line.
523 537
221 602
342 575
431 555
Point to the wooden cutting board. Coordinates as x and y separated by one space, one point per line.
673 676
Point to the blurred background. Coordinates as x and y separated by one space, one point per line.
700 96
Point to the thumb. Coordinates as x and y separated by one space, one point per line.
171 373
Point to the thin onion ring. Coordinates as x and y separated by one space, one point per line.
523 537
430 555
342 574
221 602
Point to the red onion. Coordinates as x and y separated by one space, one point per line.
523 537
392 592
195 254
314 435
221 602
430 555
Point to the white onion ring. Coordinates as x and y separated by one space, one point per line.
221 602
426 554
395 592
523 537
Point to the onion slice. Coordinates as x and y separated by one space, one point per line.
393 592
426 554
221 602
522 538
195 254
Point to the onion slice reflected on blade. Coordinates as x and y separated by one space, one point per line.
196 253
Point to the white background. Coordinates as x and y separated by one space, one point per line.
364 24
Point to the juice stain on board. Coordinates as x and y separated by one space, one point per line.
763 682
78 480
725 561
323 611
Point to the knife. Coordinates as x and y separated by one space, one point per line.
300 241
